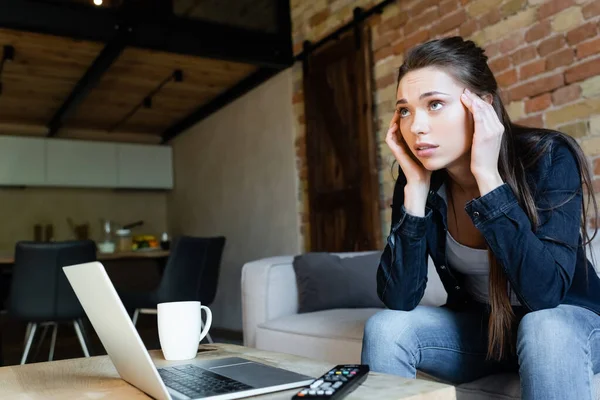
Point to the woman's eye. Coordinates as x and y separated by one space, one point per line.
403 112
435 105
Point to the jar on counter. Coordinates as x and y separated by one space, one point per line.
124 240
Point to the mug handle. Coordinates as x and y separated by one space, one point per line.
208 322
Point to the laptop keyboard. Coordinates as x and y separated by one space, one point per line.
197 382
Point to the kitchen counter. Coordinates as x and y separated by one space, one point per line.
8 257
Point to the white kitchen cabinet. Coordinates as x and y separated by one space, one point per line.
22 160
29 161
145 166
78 163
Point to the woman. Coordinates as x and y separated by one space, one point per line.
500 210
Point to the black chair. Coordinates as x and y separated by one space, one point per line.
191 274
40 293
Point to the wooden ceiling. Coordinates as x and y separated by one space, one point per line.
47 68
138 72
42 74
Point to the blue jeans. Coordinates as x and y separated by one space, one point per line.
558 349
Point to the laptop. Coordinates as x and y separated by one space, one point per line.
218 379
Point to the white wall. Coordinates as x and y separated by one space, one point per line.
235 175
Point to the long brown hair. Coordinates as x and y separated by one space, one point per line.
467 63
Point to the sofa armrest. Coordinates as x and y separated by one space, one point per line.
268 291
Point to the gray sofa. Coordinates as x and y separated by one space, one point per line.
271 322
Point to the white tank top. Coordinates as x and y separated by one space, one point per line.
473 264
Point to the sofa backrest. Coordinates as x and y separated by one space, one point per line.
435 294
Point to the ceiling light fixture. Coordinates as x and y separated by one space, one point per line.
98 2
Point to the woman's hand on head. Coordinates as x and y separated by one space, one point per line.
487 137
413 170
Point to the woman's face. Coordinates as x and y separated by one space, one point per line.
433 121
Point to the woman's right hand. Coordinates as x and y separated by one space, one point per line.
413 170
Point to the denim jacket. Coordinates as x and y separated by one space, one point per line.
545 267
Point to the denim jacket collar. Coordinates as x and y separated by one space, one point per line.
434 200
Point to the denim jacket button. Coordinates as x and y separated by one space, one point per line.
457 288
443 267
476 214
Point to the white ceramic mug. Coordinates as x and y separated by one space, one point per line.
179 328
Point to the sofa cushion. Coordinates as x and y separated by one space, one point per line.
332 335
326 281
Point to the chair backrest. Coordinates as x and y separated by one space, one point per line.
192 271
40 290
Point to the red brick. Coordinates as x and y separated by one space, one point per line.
298 98
469 28
449 22
492 50
306 216
393 23
507 79
374 21
319 18
490 18
448 6
533 68
534 122
584 32
551 45
596 188
386 81
538 31
588 48
552 7
597 166
523 55
383 40
539 86
450 33
591 10
505 96
383 53
410 41
583 71
566 94
511 43
421 6
538 103
499 64
563 57
424 20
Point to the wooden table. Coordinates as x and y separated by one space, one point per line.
97 378
7 257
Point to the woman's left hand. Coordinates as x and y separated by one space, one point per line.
487 138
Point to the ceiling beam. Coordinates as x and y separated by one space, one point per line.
218 102
89 80
169 33
284 23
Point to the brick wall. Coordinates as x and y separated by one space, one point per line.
545 54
